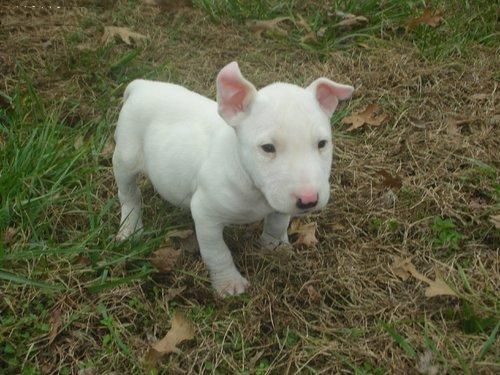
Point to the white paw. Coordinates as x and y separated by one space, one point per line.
127 231
269 242
230 285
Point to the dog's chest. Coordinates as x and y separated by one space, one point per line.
246 212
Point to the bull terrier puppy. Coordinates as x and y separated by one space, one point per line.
252 155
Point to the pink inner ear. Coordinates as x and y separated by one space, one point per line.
232 96
342 92
232 91
326 96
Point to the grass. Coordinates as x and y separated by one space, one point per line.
465 23
73 299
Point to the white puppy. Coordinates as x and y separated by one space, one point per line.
252 155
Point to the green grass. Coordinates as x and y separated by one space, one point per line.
445 233
465 22
51 195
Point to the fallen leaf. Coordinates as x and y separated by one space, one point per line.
306 234
427 18
189 245
439 288
125 34
184 240
389 181
180 233
399 271
8 235
55 324
164 259
182 329
260 26
404 268
495 219
109 147
367 116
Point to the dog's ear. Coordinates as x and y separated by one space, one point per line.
234 93
328 94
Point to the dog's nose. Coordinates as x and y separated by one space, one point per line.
307 200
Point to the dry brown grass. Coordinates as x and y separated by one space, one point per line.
330 300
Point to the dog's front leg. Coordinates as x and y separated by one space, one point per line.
226 279
275 230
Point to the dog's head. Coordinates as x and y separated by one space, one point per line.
284 136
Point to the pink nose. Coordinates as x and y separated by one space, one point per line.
307 199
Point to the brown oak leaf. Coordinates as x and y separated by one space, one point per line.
405 268
306 233
260 26
125 34
183 239
164 259
428 18
181 330
367 116
181 234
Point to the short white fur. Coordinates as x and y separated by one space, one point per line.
208 156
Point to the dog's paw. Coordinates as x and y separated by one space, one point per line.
269 242
230 285
126 232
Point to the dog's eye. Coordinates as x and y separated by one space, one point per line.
268 147
322 143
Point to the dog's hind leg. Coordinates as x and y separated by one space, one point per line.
127 163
